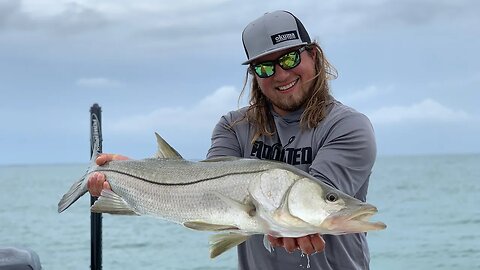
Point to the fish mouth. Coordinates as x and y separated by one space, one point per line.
364 214
348 221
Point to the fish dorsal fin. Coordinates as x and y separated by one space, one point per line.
111 203
220 243
165 150
218 159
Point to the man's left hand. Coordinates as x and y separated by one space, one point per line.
307 244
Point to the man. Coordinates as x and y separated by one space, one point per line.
293 118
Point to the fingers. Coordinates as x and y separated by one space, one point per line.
276 242
96 183
106 185
290 244
307 244
104 158
317 242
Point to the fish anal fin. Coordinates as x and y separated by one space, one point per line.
111 203
204 226
220 243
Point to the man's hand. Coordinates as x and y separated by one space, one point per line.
98 181
307 244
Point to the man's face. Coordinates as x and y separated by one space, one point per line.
288 90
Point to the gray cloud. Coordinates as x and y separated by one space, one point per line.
186 18
74 19
457 14
340 18
10 14
413 13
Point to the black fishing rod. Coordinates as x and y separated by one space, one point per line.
95 218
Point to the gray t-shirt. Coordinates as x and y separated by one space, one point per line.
340 151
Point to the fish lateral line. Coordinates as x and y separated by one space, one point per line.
169 184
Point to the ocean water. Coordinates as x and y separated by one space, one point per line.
431 205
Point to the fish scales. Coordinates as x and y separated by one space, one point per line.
180 203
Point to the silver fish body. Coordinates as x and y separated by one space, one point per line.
238 197
183 191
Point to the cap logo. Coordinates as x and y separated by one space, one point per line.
284 36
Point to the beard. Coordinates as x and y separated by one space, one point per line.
292 102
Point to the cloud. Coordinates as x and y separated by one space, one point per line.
427 11
200 117
7 8
410 12
363 95
68 19
344 18
427 110
211 21
98 82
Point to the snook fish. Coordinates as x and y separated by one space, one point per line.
234 197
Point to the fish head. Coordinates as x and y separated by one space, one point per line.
269 194
329 210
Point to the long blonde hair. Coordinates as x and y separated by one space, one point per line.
259 112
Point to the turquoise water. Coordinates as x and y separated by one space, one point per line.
430 204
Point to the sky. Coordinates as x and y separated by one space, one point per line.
174 67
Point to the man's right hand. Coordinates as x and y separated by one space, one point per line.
98 181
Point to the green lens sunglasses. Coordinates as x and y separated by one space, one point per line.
287 61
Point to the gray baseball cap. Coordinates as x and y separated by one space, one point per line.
273 32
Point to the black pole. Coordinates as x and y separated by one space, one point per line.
95 218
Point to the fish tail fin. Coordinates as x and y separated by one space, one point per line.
220 243
79 188
76 191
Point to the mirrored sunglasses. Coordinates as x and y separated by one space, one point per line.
286 62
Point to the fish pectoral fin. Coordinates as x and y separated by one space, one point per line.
266 243
111 203
220 243
247 207
204 226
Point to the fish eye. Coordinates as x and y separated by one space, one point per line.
332 197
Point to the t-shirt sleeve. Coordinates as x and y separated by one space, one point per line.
224 140
346 157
